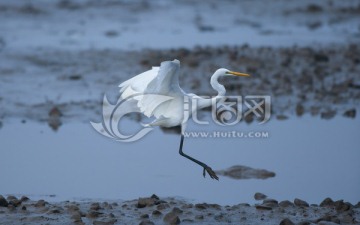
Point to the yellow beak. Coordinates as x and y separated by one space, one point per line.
238 74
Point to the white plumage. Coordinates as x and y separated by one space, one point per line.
156 93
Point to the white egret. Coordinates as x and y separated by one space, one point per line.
164 81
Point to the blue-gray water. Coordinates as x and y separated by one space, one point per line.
312 158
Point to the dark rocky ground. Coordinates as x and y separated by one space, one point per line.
155 210
321 81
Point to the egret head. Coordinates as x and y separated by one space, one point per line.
226 72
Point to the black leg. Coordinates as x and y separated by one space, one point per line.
207 169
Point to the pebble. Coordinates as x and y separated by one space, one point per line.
327 223
162 206
300 203
351 113
304 223
177 210
76 216
110 222
15 202
199 217
300 109
95 206
286 221
156 213
263 207
11 197
144 216
328 114
282 117
3 201
93 214
24 199
146 222
40 203
171 218
327 202
342 206
270 202
55 210
146 202
259 196
286 203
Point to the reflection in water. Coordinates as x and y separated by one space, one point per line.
244 172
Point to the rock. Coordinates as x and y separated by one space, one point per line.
321 58
342 206
144 216
300 203
270 202
286 221
171 218
110 222
259 196
156 213
11 207
177 210
328 218
15 202
3 201
93 214
327 223
313 8
111 33
162 206
40 203
54 119
285 204
299 109
199 217
328 114
304 223
351 113
76 216
327 202
201 206
263 207
187 206
357 205
24 199
11 197
282 117
154 196
95 206
23 208
56 210
146 222
245 172
146 202
72 208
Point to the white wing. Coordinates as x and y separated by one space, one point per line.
156 91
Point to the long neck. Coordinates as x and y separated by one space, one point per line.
216 85
205 102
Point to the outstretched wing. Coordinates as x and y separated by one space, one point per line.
155 91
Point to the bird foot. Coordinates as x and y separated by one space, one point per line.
211 173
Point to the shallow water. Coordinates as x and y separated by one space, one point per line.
312 159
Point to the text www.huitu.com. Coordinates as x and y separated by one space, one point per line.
227 134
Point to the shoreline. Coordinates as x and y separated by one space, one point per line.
169 210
